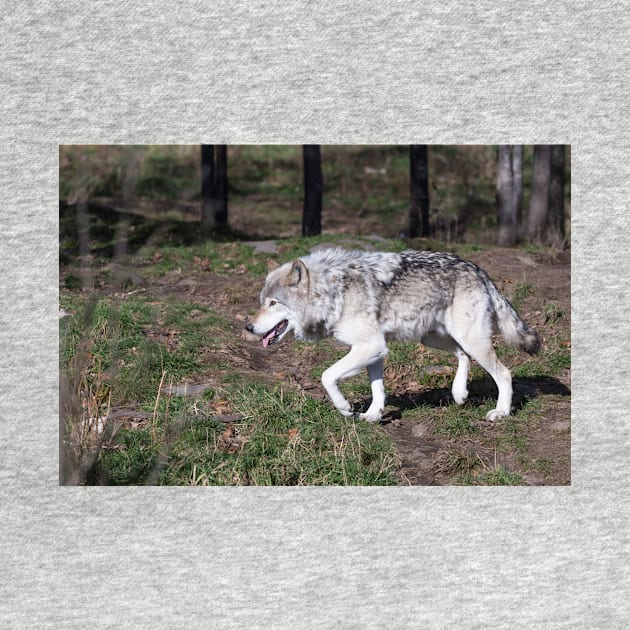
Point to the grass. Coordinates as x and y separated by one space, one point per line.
498 476
281 438
521 293
107 338
555 358
454 421
553 313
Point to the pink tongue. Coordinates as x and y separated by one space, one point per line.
267 339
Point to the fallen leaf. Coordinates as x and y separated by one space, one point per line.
221 407
228 434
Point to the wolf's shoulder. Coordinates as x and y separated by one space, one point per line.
414 257
339 257
353 266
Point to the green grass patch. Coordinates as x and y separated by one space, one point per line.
541 465
553 313
130 462
404 355
283 438
498 476
456 421
521 293
210 257
133 344
552 361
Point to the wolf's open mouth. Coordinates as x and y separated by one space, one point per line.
274 333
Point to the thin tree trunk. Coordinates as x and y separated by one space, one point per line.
208 188
121 238
419 184
556 232
83 228
83 234
517 189
539 203
214 194
313 190
506 209
221 184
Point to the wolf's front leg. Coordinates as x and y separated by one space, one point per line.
375 410
359 357
330 378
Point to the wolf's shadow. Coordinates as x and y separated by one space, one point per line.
480 390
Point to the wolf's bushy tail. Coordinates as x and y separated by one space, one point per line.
514 330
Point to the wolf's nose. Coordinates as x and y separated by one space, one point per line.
249 328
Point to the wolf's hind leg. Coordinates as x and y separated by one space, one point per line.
459 388
482 351
359 357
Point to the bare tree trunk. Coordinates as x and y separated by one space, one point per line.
221 184
419 184
556 232
313 190
121 238
83 234
539 203
83 227
517 189
506 209
207 188
213 186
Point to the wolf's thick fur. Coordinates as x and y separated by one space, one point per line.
364 299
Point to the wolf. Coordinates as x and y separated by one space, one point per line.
364 299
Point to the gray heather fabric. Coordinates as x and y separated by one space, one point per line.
327 72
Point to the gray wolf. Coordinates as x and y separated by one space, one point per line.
364 299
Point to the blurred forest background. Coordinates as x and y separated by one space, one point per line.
114 198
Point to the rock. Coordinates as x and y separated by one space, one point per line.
187 389
419 430
560 426
249 336
263 247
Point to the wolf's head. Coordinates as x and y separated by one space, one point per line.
282 303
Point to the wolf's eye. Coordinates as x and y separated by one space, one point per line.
272 303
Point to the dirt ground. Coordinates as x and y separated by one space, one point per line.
426 456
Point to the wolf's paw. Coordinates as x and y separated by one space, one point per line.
371 416
460 397
346 410
495 414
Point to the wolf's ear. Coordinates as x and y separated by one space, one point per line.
297 274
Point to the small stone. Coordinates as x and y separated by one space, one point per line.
560 426
419 430
263 247
249 336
